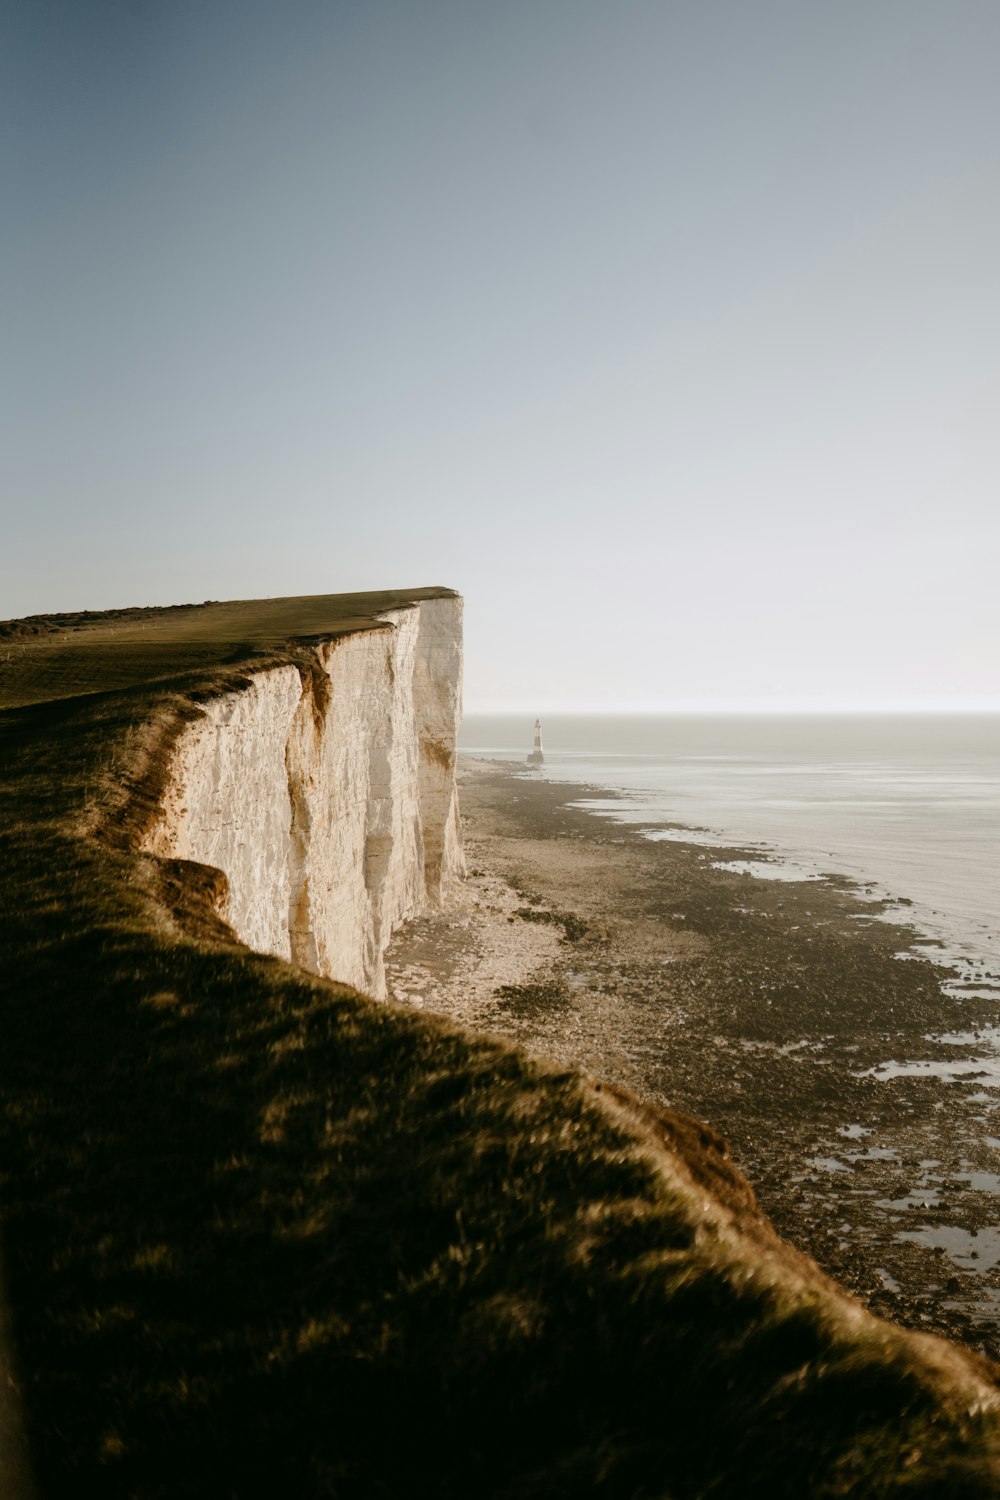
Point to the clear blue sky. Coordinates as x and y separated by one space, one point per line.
669 333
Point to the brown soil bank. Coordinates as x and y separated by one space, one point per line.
265 1237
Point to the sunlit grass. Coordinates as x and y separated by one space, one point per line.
144 646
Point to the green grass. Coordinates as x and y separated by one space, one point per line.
266 1237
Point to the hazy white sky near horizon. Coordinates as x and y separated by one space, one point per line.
669 333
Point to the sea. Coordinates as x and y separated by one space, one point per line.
906 806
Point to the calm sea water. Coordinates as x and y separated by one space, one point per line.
908 805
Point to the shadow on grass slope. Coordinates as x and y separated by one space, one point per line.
265 1237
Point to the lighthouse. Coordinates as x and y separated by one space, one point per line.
536 757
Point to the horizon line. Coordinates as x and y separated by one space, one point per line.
494 708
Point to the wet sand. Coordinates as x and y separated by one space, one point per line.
762 1007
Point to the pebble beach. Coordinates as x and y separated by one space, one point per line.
856 1093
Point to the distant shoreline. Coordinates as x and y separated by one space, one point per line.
906 806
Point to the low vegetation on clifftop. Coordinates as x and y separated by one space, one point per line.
263 1236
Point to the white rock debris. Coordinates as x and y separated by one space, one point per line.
328 798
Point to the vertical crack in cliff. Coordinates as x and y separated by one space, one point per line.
437 677
302 751
393 863
379 833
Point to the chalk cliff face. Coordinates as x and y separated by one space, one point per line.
327 794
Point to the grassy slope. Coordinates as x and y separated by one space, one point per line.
67 655
265 1237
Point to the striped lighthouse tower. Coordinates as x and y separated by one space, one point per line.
536 757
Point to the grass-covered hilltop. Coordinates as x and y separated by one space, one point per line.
262 1235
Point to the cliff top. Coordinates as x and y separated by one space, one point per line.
64 655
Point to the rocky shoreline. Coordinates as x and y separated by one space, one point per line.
768 1008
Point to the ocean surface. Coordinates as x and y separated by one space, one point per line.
907 806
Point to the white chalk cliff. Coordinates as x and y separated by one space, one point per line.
327 794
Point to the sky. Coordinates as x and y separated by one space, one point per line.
667 333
